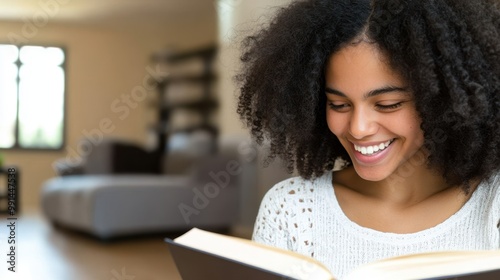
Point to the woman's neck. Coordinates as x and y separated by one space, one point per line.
400 188
416 202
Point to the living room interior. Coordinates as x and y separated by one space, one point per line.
84 214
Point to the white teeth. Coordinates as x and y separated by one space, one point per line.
368 150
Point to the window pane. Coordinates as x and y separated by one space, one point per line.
49 56
32 55
55 56
8 53
41 105
8 103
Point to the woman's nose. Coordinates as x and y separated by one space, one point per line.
362 124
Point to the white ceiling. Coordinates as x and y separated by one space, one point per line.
105 11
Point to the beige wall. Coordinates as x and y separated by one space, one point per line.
103 64
237 19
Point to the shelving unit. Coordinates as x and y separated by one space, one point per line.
186 94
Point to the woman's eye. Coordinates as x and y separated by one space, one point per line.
388 107
340 107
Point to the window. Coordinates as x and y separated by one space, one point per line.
32 90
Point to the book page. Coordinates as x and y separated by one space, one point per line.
269 258
427 265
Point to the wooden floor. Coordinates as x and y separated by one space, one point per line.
44 252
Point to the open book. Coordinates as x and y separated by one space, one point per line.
200 254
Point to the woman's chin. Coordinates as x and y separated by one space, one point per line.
373 174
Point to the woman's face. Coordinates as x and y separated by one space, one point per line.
371 111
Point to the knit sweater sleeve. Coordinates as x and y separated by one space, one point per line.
284 219
268 228
496 204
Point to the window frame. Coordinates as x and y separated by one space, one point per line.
16 146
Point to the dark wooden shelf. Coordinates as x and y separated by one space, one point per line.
205 105
200 105
206 52
191 78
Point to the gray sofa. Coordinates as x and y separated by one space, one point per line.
200 191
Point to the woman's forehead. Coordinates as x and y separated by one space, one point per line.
360 67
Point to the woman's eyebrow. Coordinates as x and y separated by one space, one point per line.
382 90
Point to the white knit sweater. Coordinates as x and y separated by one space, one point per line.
304 216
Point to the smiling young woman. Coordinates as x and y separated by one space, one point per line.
371 111
404 96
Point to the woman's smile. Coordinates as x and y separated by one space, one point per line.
370 149
372 154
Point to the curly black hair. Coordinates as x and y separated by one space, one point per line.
447 50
